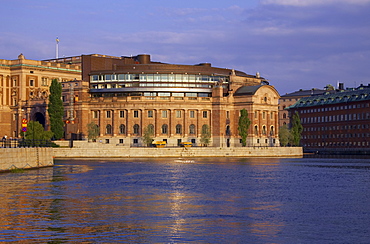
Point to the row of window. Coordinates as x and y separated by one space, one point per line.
150 114
164 129
157 78
336 108
123 85
343 135
336 118
337 127
337 144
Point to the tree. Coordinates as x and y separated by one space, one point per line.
243 126
206 135
296 129
148 135
56 109
35 131
93 131
284 135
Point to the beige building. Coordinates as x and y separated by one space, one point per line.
126 95
24 90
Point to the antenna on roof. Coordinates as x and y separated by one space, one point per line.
57 49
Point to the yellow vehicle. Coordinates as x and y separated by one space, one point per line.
186 144
159 143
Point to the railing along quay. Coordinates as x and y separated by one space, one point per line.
17 143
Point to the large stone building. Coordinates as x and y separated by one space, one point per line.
126 95
24 89
337 120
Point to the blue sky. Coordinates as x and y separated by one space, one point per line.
293 43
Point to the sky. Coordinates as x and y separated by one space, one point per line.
294 44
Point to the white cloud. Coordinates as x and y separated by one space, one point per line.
303 3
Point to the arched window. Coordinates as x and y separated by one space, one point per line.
272 132
151 129
284 115
178 129
108 129
205 129
256 129
264 130
122 129
192 129
136 129
164 129
228 132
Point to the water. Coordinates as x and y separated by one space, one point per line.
212 200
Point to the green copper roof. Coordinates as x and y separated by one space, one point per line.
333 98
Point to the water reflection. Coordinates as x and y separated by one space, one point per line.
175 200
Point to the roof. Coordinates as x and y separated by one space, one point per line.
247 90
345 96
305 93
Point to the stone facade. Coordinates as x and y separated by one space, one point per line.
125 95
24 90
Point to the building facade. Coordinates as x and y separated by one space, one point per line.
126 95
24 90
336 120
289 99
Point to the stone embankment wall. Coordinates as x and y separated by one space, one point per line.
25 158
100 150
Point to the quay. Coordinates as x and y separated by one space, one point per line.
38 157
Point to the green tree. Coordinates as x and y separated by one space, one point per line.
93 131
148 135
296 129
35 131
284 135
205 137
56 109
243 126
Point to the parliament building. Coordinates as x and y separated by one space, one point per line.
124 96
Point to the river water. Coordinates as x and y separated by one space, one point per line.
211 200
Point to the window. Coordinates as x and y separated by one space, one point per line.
121 114
192 129
192 114
164 113
256 129
227 114
178 129
164 129
136 129
136 113
122 129
108 114
255 114
178 113
263 115
205 114
32 82
108 129
228 132
150 113
95 114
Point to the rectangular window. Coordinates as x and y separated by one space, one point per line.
121 114
136 114
95 114
164 113
178 113
255 114
205 114
150 114
108 113
32 82
227 114
192 114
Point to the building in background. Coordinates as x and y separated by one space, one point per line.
338 120
24 89
291 98
125 95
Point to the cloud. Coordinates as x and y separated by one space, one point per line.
304 3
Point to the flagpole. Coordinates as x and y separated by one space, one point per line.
57 49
